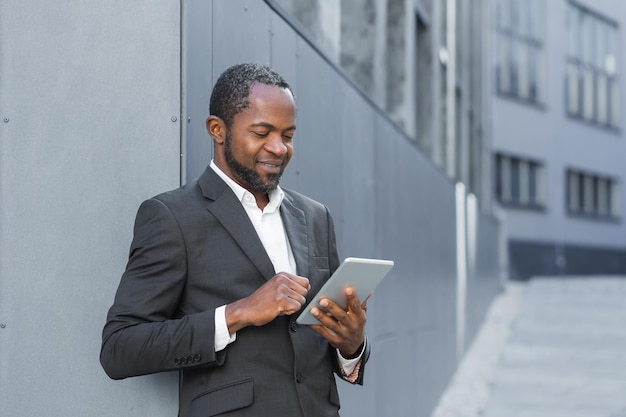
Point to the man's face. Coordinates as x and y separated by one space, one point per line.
258 145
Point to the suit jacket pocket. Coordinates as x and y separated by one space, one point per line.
225 398
321 262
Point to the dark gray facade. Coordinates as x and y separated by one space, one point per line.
98 118
426 64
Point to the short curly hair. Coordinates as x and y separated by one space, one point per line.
232 88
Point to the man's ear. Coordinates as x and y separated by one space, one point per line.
216 128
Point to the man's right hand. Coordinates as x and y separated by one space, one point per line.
283 295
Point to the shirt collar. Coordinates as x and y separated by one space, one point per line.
275 196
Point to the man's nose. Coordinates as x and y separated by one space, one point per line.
276 145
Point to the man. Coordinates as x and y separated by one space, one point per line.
218 269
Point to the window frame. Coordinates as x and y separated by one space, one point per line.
526 187
520 36
585 74
583 190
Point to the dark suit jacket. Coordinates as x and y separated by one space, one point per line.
195 249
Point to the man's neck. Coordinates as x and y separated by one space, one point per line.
262 199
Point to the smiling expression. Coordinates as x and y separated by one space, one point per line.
257 147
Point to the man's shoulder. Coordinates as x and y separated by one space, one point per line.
181 196
302 201
207 184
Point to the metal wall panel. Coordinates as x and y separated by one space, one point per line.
241 31
357 144
484 280
334 151
198 81
218 34
88 91
317 152
412 315
284 51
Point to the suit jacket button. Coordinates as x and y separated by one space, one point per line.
294 326
189 359
177 361
197 358
299 378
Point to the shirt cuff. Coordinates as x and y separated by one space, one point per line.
348 366
222 337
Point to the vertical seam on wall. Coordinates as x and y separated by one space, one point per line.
181 107
271 35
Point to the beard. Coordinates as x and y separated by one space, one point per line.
246 174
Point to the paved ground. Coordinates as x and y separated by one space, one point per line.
548 348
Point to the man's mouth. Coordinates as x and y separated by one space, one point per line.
274 165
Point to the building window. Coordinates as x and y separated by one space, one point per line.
520 51
592 76
592 195
519 182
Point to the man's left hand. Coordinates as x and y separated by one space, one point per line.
344 329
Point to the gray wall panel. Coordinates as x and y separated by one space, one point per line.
317 156
284 59
218 34
198 68
241 33
89 91
356 132
412 314
484 282
284 51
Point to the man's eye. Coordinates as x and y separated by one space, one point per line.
261 134
288 137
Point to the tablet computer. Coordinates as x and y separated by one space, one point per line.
360 273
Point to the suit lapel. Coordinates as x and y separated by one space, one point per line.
295 227
229 212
